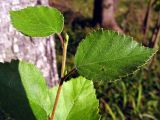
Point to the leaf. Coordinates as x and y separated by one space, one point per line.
24 94
77 101
38 21
107 55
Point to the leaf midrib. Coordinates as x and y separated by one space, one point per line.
110 60
75 100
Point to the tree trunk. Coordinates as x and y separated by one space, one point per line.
14 45
104 11
97 12
146 21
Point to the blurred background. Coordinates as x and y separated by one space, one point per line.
136 97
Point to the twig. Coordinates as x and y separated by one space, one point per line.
68 74
156 33
155 38
62 76
61 40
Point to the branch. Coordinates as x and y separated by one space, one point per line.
155 38
62 80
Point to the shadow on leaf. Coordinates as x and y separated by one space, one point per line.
13 99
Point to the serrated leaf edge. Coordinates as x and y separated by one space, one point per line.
131 38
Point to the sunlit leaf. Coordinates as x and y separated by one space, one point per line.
77 101
38 21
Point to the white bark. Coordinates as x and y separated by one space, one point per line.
14 45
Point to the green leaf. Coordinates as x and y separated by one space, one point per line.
77 101
107 55
38 21
24 94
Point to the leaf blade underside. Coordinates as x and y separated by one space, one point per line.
77 101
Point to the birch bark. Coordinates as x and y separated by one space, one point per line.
14 45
